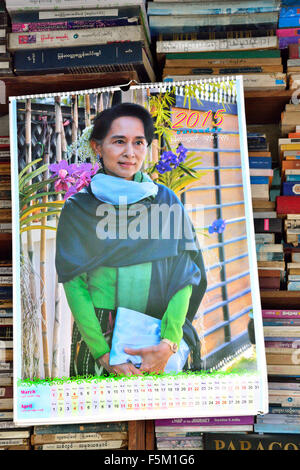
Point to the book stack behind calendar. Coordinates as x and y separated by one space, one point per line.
288 203
288 24
89 436
282 346
268 238
187 433
94 36
5 56
197 40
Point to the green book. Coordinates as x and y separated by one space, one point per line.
226 54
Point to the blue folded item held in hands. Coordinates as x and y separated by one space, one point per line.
137 330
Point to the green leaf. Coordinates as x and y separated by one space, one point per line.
27 167
37 227
40 215
32 174
26 200
34 207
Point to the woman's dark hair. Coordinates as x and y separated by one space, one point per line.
103 120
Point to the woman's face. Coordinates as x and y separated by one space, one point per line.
124 148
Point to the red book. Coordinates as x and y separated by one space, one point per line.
272 283
287 205
294 51
294 135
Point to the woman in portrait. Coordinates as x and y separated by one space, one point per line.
112 252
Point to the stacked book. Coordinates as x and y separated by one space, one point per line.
91 36
268 236
288 24
188 433
195 41
282 346
5 56
288 202
89 436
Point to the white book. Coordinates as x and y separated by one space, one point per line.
70 38
265 215
233 44
21 5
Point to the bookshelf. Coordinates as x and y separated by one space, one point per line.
261 108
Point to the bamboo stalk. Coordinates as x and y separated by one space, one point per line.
30 305
87 111
57 304
42 269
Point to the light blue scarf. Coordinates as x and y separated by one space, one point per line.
112 190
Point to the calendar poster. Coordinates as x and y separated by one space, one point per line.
135 288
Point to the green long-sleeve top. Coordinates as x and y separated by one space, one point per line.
97 289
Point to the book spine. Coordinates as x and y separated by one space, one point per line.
288 205
287 12
290 189
294 51
289 22
72 58
164 47
186 9
40 5
268 225
284 43
74 38
288 32
260 162
280 313
70 25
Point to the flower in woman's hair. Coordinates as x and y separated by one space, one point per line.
63 181
218 226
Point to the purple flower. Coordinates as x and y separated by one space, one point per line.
218 226
56 167
71 178
63 181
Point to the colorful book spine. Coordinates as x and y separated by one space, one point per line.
74 38
71 24
288 32
205 421
280 313
287 12
287 205
289 22
290 189
285 42
260 162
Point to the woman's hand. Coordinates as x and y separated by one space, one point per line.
120 369
154 358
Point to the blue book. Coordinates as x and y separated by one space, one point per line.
286 12
293 286
228 8
259 180
292 178
277 428
98 58
290 188
289 22
260 162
